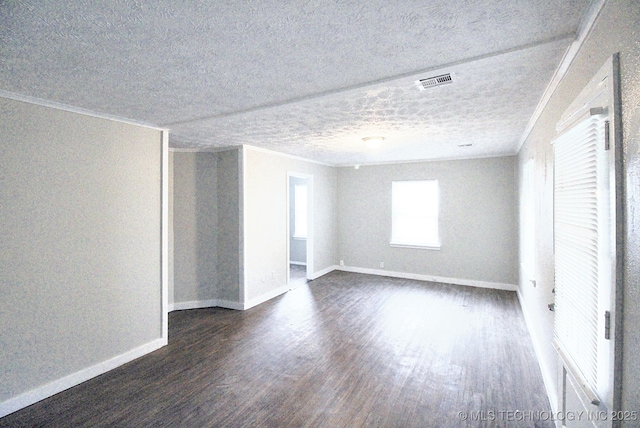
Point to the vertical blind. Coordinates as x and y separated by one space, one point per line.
580 214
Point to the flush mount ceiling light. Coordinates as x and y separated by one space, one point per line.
373 142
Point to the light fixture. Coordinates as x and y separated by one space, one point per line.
373 142
356 166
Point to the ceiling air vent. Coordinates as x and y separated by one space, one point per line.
430 82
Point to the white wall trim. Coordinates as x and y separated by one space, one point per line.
546 379
203 150
164 231
211 303
285 155
322 272
194 304
266 296
586 26
442 159
73 109
291 262
228 304
431 278
30 397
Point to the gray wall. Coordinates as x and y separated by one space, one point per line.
478 224
229 226
195 216
297 246
616 31
79 243
265 213
206 226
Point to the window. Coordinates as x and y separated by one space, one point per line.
414 213
585 227
300 211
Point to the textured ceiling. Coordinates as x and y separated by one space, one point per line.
306 78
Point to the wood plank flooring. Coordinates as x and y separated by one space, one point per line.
297 275
345 350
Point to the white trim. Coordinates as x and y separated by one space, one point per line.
549 382
203 150
291 262
194 304
73 109
164 239
322 272
228 304
431 278
586 26
30 397
310 220
211 303
285 155
266 296
444 159
416 246
337 165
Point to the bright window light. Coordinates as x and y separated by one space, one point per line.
300 211
415 208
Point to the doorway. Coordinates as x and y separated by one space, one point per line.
299 229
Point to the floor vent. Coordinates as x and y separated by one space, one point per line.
443 79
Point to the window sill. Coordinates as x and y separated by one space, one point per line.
416 246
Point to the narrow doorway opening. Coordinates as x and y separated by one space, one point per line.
299 229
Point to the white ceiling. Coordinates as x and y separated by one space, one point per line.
307 78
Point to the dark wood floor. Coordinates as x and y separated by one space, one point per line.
297 275
346 350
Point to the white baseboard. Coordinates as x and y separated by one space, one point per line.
229 304
30 397
195 304
549 383
211 303
322 272
431 278
264 297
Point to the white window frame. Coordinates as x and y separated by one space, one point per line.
403 210
597 103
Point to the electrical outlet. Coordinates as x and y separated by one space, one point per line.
341 262
381 264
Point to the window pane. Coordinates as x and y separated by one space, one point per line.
415 207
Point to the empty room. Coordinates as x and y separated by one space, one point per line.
323 213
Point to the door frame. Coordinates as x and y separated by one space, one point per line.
310 228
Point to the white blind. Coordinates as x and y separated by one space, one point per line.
579 210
